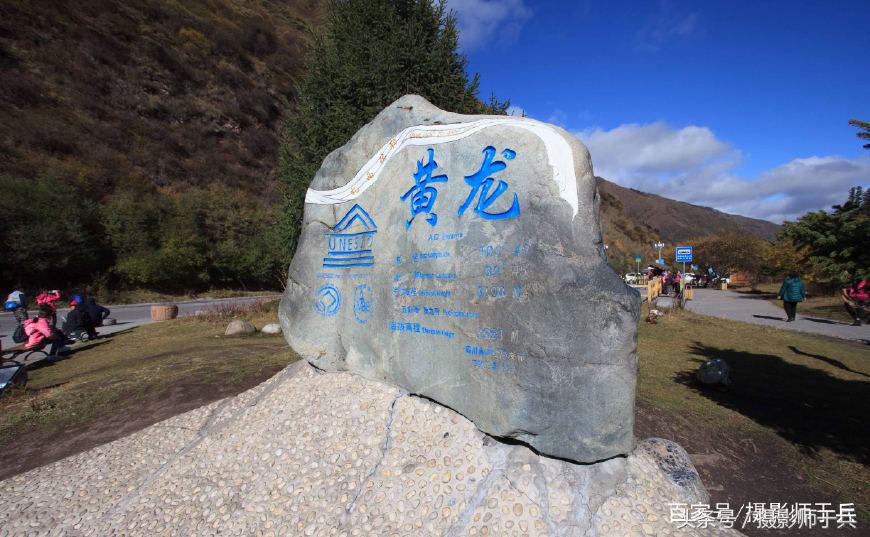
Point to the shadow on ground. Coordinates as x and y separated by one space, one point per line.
771 317
804 405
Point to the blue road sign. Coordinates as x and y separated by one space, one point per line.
637 258
684 254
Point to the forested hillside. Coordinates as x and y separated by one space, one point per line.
633 220
140 139
142 135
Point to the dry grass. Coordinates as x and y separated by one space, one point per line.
225 311
134 368
803 395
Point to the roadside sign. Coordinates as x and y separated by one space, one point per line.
661 261
684 254
637 258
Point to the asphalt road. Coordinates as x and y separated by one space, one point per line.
127 315
755 310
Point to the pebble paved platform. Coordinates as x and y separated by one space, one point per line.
317 454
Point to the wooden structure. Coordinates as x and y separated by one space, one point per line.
163 312
741 278
653 289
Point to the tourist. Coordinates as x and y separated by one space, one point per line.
669 282
791 292
78 319
39 333
16 302
97 313
49 299
677 277
856 299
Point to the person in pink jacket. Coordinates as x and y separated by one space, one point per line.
48 298
40 333
856 300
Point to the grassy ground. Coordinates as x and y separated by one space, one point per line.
824 306
126 382
791 427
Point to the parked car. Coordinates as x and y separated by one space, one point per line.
689 278
633 277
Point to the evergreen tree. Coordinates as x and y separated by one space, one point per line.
864 127
837 243
370 53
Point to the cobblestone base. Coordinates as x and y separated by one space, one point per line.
310 453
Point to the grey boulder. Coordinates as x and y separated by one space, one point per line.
240 327
461 258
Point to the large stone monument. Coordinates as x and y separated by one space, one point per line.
460 258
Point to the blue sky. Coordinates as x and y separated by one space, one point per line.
742 106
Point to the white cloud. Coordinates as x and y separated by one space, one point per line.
484 21
691 164
655 146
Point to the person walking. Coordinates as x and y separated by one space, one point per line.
791 292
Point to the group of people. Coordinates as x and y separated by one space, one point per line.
671 281
84 316
856 298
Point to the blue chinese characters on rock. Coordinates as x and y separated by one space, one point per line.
439 292
481 183
422 194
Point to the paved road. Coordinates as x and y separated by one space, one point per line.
752 309
127 315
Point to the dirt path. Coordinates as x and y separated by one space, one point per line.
756 309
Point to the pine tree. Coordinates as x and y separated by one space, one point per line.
864 127
370 53
837 243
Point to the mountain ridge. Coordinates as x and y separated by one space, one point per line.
648 208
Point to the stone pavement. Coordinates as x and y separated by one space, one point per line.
311 453
752 309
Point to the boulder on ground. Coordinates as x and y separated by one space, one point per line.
461 258
271 328
715 371
240 327
110 321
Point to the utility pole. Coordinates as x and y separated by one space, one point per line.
658 245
